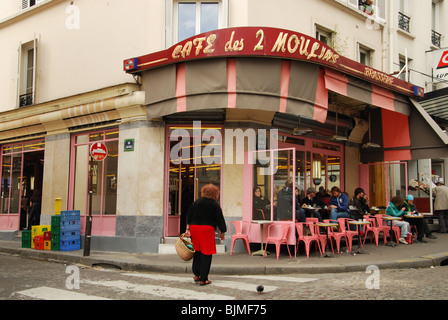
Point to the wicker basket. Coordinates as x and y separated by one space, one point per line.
182 250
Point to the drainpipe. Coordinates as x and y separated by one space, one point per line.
390 30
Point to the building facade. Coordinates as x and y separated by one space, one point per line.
174 93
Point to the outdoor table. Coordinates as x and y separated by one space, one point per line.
359 224
390 218
322 224
261 223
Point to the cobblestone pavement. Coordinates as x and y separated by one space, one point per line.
23 279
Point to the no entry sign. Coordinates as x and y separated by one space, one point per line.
98 151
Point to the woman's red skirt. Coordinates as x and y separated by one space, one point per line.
203 239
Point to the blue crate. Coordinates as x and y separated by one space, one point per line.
70 245
69 225
68 235
70 215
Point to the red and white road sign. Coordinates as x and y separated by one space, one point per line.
98 151
443 63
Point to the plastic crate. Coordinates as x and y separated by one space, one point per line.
70 235
70 245
55 245
26 235
70 214
47 245
26 243
55 221
47 236
39 243
39 230
68 225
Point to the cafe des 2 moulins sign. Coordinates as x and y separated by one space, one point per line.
266 42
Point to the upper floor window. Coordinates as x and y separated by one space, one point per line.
375 8
404 19
186 19
323 35
435 21
30 3
26 81
365 55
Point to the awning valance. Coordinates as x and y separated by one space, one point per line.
247 83
363 91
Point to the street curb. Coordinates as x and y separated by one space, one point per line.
426 261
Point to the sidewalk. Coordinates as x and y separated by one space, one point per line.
420 255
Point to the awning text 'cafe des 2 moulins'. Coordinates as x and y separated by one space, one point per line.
253 107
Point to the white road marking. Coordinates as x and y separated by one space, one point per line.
160 291
277 278
47 293
218 283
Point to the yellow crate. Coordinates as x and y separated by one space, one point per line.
47 245
39 230
32 242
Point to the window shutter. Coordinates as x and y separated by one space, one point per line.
34 68
381 9
19 70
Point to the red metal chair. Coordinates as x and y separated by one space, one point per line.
241 231
278 234
345 226
307 239
339 234
374 229
386 227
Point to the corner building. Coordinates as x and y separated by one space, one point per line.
241 94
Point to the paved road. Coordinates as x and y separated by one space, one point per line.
28 279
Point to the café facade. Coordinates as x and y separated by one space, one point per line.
240 108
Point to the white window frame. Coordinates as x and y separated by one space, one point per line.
380 8
321 31
23 67
171 14
368 52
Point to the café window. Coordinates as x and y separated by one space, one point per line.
104 173
190 18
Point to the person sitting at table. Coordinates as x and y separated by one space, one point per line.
422 226
339 204
284 206
360 203
324 195
312 201
396 209
261 206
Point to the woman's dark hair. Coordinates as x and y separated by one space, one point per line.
397 201
358 191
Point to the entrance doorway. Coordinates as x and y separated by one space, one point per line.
194 160
21 185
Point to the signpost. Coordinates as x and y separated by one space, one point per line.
98 152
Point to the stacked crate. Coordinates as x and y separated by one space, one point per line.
70 230
37 236
55 232
26 239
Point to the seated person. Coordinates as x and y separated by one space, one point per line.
422 226
261 206
312 201
339 204
284 205
360 203
396 209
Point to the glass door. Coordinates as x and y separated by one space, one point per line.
194 161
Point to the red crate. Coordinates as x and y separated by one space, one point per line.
39 240
47 236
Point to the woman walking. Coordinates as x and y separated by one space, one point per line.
203 216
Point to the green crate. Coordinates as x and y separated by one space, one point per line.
55 245
55 221
26 235
26 244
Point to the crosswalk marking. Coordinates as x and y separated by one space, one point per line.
160 291
218 283
47 293
277 278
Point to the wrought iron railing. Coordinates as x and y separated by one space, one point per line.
26 99
435 38
404 22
